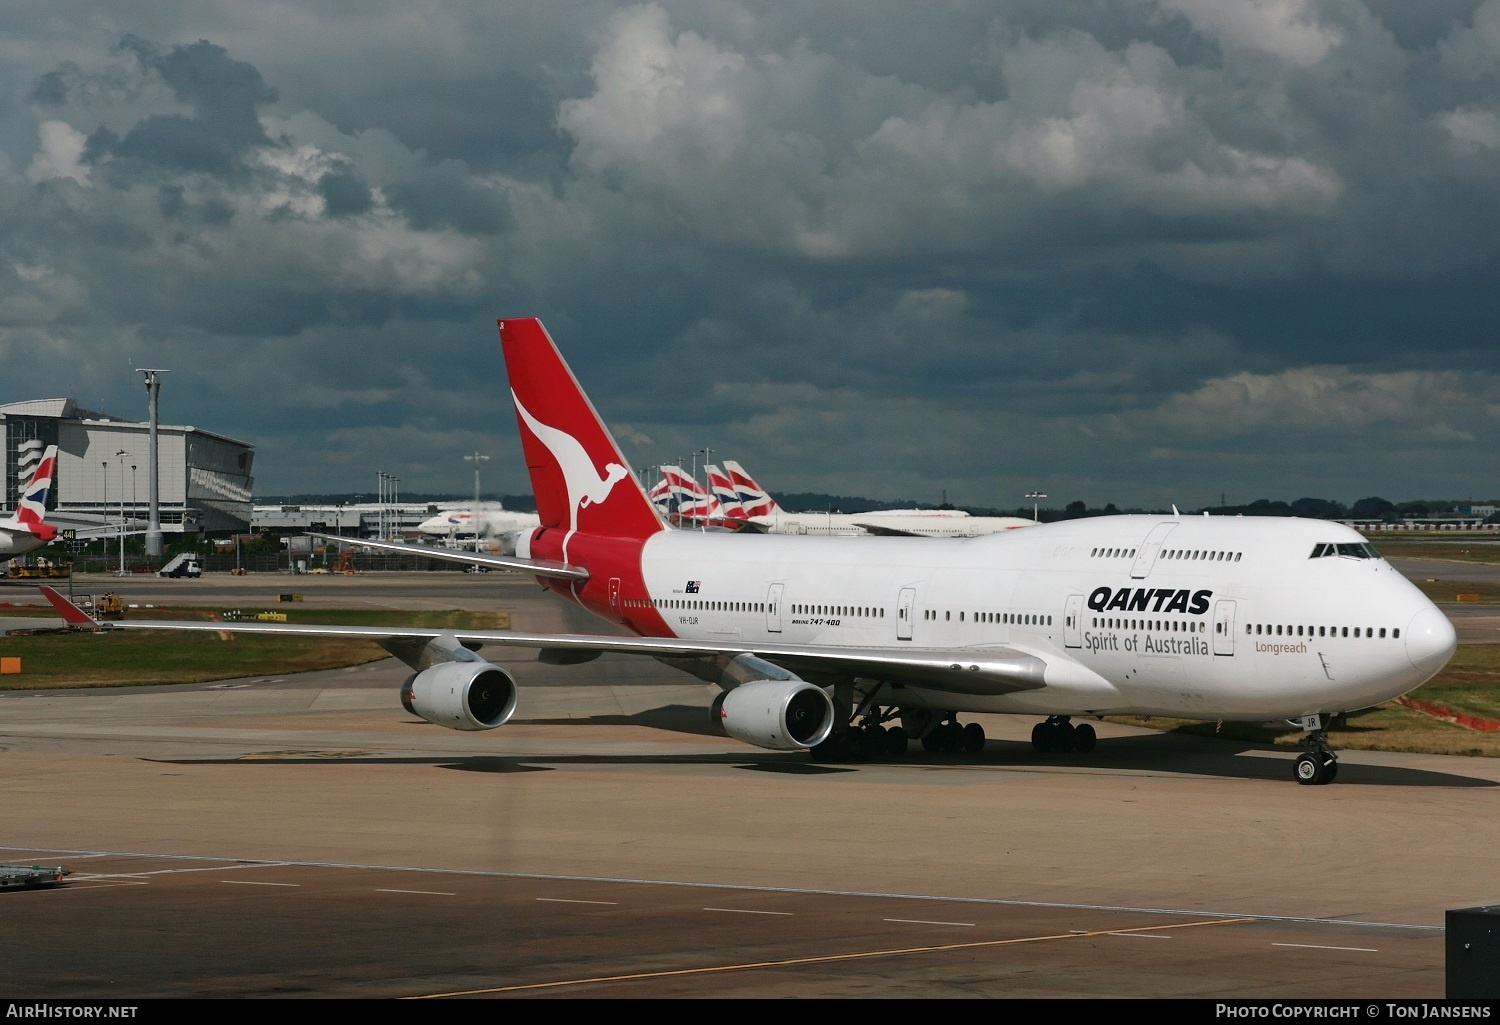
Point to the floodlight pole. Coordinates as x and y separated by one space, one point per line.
153 525
476 459
120 455
1035 496
706 452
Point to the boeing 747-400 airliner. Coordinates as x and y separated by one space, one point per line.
853 646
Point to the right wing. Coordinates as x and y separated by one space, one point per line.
536 567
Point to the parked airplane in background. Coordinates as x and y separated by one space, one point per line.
26 529
851 646
481 521
682 500
763 514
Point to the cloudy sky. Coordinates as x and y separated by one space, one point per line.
1142 252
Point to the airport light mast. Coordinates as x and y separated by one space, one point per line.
476 459
153 525
1035 496
705 453
120 455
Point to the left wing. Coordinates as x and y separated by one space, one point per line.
990 670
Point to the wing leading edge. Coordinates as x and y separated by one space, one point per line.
996 670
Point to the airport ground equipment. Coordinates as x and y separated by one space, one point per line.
31 877
184 564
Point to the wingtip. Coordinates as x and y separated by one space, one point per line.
71 613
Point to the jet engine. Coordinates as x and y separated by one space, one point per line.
473 695
772 708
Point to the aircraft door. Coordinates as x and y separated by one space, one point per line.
1223 627
773 608
904 606
614 594
1073 622
1145 555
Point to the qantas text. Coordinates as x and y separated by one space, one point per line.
1147 599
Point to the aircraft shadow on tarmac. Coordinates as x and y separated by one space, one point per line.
1159 754
1165 752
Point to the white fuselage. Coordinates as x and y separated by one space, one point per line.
468 523
1201 617
16 540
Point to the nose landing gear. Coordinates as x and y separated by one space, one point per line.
1317 765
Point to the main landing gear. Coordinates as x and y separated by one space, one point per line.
950 737
1317 765
1058 735
868 736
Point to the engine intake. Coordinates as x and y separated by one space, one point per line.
461 695
772 708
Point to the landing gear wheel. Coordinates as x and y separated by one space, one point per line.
1307 770
1061 737
1084 738
973 735
1315 768
953 738
895 741
1318 765
1039 737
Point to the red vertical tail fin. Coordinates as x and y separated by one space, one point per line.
580 479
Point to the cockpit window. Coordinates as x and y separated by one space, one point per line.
1318 551
1356 551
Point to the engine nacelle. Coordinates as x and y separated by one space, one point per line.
781 715
473 695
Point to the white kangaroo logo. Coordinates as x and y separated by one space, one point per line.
585 486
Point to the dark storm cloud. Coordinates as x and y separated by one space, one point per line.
224 95
447 196
345 194
1119 251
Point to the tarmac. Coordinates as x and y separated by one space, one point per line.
304 836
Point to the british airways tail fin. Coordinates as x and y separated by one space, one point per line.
580 479
726 495
686 499
754 499
31 510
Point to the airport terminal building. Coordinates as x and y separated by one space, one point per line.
204 479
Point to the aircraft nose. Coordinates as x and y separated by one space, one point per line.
1430 640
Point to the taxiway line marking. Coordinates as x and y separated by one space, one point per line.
254 882
428 893
922 921
821 959
748 911
179 871
1319 946
567 900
